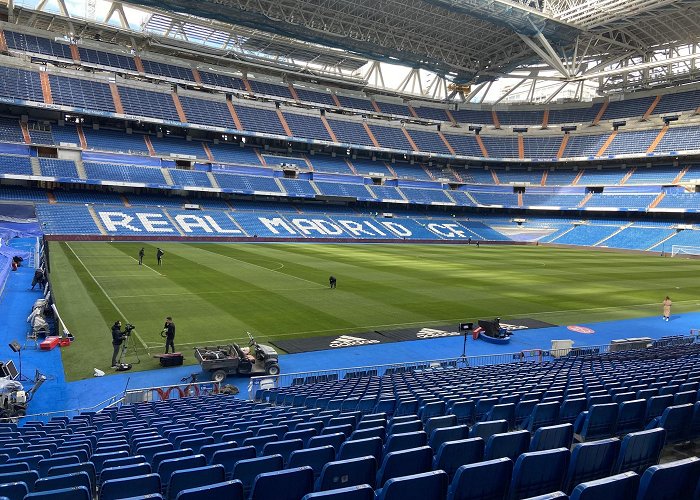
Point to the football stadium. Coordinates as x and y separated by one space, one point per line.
352 250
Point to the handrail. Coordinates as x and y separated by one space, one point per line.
111 401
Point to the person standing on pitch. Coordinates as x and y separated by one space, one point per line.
142 252
331 281
169 334
667 307
117 339
159 256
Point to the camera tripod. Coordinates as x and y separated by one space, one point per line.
128 344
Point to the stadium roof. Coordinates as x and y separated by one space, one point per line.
609 45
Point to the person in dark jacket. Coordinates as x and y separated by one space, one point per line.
332 281
169 334
38 278
117 338
159 256
142 252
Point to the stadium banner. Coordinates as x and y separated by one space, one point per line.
434 332
294 346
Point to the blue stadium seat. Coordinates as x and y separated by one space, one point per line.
570 410
228 458
523 410
619 487
539 472
150 451
404 441
109 473
486 429
334 440
676 421
361 448
590 461
283 448
305 435
315 458
599 422
246 470
169 455
230 490
464 411
196 444
28 477
482 480
208 450
365 433
640 450
346 473
507 445
444 434
453 454
403 463
543 414
362 492
426 486
167 467
670 481
131 487
439 422
403 427
71 480
195 477
553 436
631 416
656 406
13 491
77 493
87 467
503 412
13 467
288 484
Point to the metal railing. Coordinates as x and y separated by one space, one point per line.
46 416
308 377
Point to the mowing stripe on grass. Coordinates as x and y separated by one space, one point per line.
107 295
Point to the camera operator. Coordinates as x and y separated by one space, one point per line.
117 338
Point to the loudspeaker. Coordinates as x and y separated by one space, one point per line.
15 346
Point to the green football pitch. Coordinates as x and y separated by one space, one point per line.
217 292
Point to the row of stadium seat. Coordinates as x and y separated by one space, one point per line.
95 96
631 107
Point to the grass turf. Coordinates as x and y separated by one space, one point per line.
217 292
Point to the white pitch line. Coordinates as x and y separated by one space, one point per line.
106 295
262 267
219 292
145 265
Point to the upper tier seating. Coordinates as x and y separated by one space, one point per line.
681 101
355 103
307 126
501 147
428 141
165 146
53 167
10 164
106 59
330 164
541 147
20 84
222 80
85 94
234 153
679 139
263 120
167 70
207 112
473 117
113 140
390 137
574 115
391 108
270 89
430 113
148 103
190 178
465 145
314 96
10 130
37 45
520 117
350 132
628 108
124 173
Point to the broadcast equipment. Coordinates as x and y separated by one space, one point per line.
465 328
127 344
11 370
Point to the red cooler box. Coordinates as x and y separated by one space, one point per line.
49 343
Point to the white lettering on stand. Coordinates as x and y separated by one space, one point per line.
111 224
152 226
